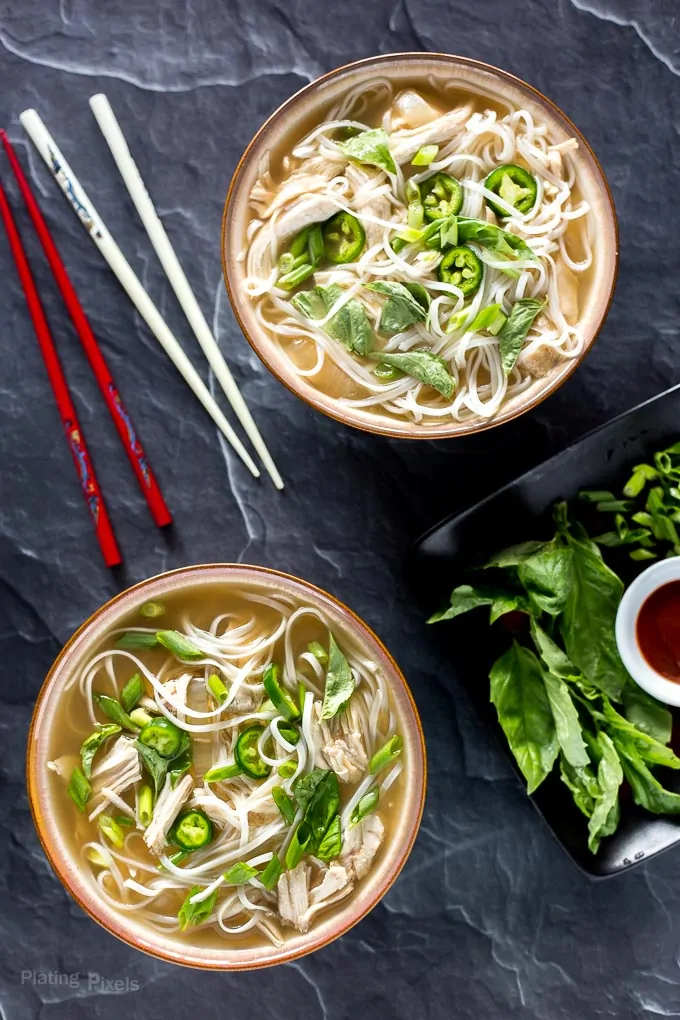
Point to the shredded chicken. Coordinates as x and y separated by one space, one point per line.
405 142
165 811
217 809
342 750
334 879
118 770
293 890
360 845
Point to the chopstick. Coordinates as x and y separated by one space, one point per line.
127 277
121 418
129 171
74 435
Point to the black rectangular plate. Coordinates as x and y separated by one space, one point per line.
521 511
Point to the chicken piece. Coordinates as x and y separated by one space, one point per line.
293 890
64 766
120 767
567 288
405 142
341 749
165 811
361 844
541 361
555 162
245 700
410 110
308 210
334 879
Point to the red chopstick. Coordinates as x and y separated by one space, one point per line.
121 418
74 435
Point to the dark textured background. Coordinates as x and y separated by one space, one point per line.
489 919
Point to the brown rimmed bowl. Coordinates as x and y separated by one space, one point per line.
308 107
66 864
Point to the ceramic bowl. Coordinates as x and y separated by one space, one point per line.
282 129
66 864
655 576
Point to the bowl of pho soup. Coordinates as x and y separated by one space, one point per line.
226 768
420 245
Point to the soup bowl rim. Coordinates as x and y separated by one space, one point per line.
64 864
395 429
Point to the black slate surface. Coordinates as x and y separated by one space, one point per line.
489 919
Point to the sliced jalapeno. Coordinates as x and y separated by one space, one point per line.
514 185
277 695
247 754
461 267
162 736
192 830
343 238
442 196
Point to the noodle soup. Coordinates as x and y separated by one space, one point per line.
228 764
421 253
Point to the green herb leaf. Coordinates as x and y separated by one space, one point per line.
385 755
299 845
132 692
370 147
582 784
513 333
557 661
192 914
318 651
366 805
524 712
180 646
339 681
650 749
285 804
547 577
605 816
588 621
515 554
567 724
647 714
272 873
322 804
115 711
494 238
182 761
648 792
240 873
156 766
79 789
330 845
91 745
400 310
466 597
349 326
426 367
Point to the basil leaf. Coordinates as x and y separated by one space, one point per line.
606 812
318 794
79 789
272 873
137 639
366 805
284 804
647 790
240 873
555 659
331 843
91 744
588 620
647 714
515 554
400 310
582 784
466 597
652 751
191 914
519 694
180 646
305 787
567 723
547 577
513 332
156 766
132 692
115 711
182 761
339 681
494 238
370 147
350 326
424 366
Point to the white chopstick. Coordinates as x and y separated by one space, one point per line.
95 227
129 171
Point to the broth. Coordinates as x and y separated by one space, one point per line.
480 381
196 611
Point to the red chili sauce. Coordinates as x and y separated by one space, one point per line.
658 630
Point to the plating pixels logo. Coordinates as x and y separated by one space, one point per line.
91 981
